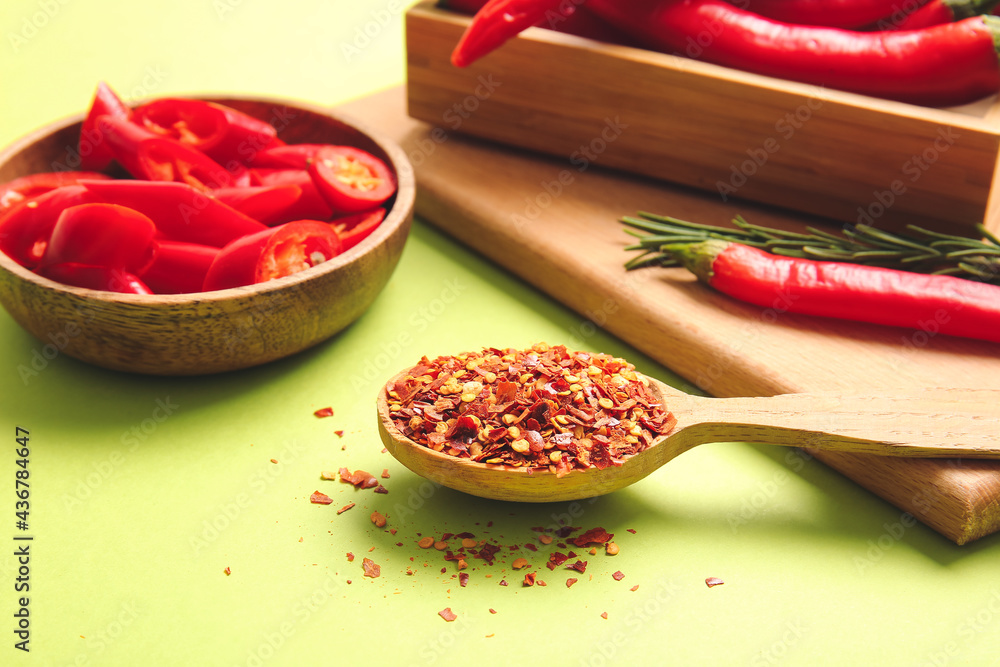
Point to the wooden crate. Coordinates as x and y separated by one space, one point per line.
843 156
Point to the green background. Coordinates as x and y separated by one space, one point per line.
143 490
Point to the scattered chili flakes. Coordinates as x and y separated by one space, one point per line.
339 434
378 519
604 615
634 588
324 412
618 576
274 460
227 571
580 566
571 581
592 536
350 557
529 579
447 614
345 508
371 568
541 408
492 610
328 474
385 473
463 579
381 489
714 581
503 582
318 498
359 478
631 530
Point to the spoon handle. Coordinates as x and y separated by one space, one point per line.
940 423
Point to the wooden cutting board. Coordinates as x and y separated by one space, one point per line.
554 223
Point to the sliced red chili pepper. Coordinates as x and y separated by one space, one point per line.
269 204
221 132
95 155
106 235
151 157
272 253
28 187
95 277
180 212
311 204
351 179
353 229
25 229
846 291
178 267
293 156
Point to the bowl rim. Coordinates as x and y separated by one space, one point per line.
400 212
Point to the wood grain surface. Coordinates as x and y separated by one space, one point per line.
849 157
556 227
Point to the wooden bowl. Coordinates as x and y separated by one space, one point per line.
210 332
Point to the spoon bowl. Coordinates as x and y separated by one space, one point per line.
929 423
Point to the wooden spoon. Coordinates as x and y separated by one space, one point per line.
930 423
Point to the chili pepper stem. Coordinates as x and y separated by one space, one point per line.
697 257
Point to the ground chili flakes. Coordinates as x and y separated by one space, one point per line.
618 576
545 407
592 536
345 508
447 614
324 412
358 478
713 581
571 581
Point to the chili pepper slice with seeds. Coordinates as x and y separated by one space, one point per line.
351 179
957 306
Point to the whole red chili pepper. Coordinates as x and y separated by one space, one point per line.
498 21
937 12
955 306
940 66
570 19
829 13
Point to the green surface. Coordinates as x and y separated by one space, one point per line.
143 490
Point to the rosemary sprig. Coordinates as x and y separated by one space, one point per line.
919 250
